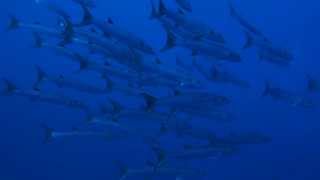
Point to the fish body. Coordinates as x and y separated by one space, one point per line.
185 5
205 153
116 50
111 30
38 96
266 49
313 85
181 20
213 50
292 99
62 81
150 172
243 139
186 100
217 75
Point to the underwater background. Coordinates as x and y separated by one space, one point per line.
293 153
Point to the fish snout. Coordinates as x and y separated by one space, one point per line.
235 57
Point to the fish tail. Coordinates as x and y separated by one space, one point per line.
40 76
267 87
87 15
154 14
249 41
67 32
13 23
48 133
81 60
116 107
108 82
9 87
311 83
150 101
171 41
214 71
232 10
38 41
162 8
87 3
123 170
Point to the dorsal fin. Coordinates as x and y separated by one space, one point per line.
158 61
116 107
110 21
181 12
150 101
176 92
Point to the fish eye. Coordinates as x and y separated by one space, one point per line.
141 43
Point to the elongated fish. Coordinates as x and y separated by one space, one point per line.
159 71
37 96
290 98
63 81
218 75
116 50
51 134
216 51
313 85
242 139
205 153
185 5
126 89
180 19
87 64
149 172
37 27
183 100
111 30
266 49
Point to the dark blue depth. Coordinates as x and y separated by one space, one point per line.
246 90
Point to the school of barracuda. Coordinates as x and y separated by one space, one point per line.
131 67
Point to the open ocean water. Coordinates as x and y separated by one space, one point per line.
222 111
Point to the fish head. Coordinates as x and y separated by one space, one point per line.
220 38
147 48
256 138
222 100
234 57
287 55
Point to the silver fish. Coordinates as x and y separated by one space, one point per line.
266 49
37 96
111 30
291 98
184 4
182 20
213 50
63 81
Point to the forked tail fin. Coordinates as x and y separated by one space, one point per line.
40 76
267 88
162 8
150 101
170 42
154 12
123 170
9 87
249 40
48 134
13 23
312 84
87 16
108 82
38 41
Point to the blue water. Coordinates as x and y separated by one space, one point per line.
293 153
